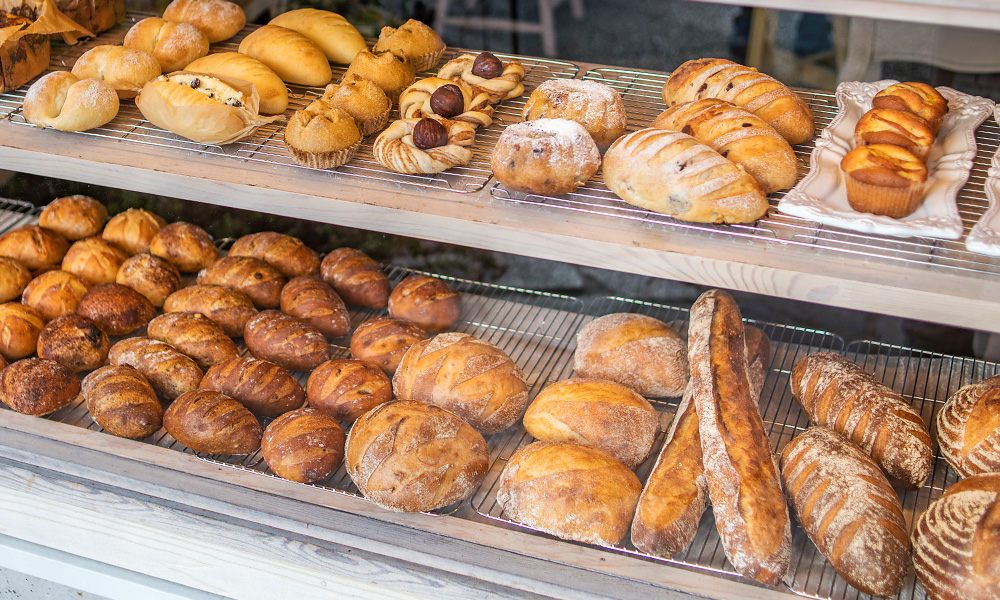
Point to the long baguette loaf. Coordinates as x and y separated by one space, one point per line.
743 483
968 428
840 395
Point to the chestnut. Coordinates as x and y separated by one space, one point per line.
447 101
487 66
428 133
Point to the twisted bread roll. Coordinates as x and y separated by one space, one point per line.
497 80
121 401
173 44
968 428
168 371
273 93
426 97
289 54
220 20
124 69
63 101
339 40
395 149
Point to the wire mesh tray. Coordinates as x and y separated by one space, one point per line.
266 145
15 213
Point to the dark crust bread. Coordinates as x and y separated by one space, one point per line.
121 401
117 309
229 308
75 341
427 301
346 389
38 386
263 387
286 341
213 423
383 341
286 253
356 277
185 245
304 445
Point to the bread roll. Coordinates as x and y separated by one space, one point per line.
13 278
286 341
840 395
283 252
639 352
414 42
122 402
173 44
263 387
151 276
63 101
74 341
410 456
184 245
38 386
196 335
572 491
19 329
168 371
213 423
339 40
273 93
124 69
74 217
133 229
94 259
304 445
34 247
470 377
252 276
594 105
345 389
229 309
356 278
117 309
220 20
315 302
289 54
968 428
54 293
427 301
383 341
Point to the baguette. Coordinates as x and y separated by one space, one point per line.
273 93
168 371
339 40
289 54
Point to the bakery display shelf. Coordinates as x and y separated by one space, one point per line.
266 145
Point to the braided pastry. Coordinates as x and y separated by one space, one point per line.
486 74
398 147
429 97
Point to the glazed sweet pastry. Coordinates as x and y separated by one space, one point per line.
915 97
548 157
63 101
339 40
883 179
444 98
362 99
594 105
412 41
896 127
426 145
485 73
124 69
321 136
384 69
173 44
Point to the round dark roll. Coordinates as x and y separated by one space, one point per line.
74 341
38 386
117 309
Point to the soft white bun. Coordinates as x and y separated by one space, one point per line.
124 69
289 54
337 38
220 20
63 101
273 93
173 44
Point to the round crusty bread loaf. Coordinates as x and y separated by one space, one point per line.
252 276
151 276
122 402
263 387
94 259
968 428
229 308
117 309
38 386
594 105
304 445
65 102
312 300
74 217
346 389
286 341
550 157
14 277
194 334
639 352
470 377
286 253
19 329
168 371
356 277
427 301
410 456
74 341
220 20
54 293
133 229
34 247
185 245
572 491
383 341
213 423
124 69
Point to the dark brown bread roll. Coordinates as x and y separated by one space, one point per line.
848 509
838 394
286 341
194 334
74 217
356 278
213 423
266 389
345 389
133 229
572 491
117 309
34 247
168 371
54 293
410 456
94 259
230 309
968 428
427 301
122 402
151 276
185 245
252 276
19 329
74 341
38 386
13 278
304 445
383 341
470 377
312 300
286 253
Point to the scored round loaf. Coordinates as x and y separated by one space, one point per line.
383 341
569 490
196 335
167 370
94 259
968 428
345 389
74 341
228 308
289 54
34 247
219 19
286 341
252 276
286 253
13 278
597 413
637 351
74 217
38 386
427 301
410 456
54 293
312 300
122 402
133 229
173 44
19 329
356 278
185 245
117 309
263 387
151 276
213 423
594 105
470 377
304 445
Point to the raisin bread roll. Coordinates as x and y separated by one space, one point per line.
356 278
74 341
229 309
34 247
313 301
427 301
273 93
220 20
345 389
596 106
94 259
74 217
848 509
133 229
184 245
117 309
550 157
173 44
151 276
304 445
168 371
383 341
38 386
840 395
54 293
252 276
263 387
671 173
122 402
14 277
285 253
213 423
289 54
286 341
20 326
194 334
968 428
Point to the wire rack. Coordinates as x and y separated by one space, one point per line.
641 94
266 145
15 213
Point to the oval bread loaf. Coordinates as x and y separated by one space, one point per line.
185 245
220 20
63 101
289 54
345 389
252 276
228 308
273 93
122 402
124 69
968 428
94 259
194 334
286 341
339 40
151 276
312 300
20 326
304 445
54 293
286 253
356 278
167 370
117 309
174 44
74 217
263 387
213 423
427 301
38 386
14 277
133 229
383 341
74 341
34 247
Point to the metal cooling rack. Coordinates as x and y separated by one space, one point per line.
266 145
641 94
15 213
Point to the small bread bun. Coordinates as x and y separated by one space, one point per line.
230 309
896 127
63 101
74 341
263 387
220 20
322 136
133 229
273 93
38 386
124 69
339 40
252 276
548 157
594 105
34 247
213 423
19 329
385 69
427 301
304 445
117 309
13 278
122 402
916 97
151 276
94 259
383 341
315 302
412 41
356 278
345 389
54 293
74 217
289 54
184 245
173 44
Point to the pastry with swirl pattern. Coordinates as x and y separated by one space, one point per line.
424 146
442 97
487 74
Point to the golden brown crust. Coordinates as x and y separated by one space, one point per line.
427 301
37 386
383 341
117 309
304 445
63 101
312 300
74 217
230 309
133 229
339 40
500 87
124 69
968 428
345 389
173 44
74 341
286 341
185 245
356 278
322 136
273 93
596 106
34 247
213 423
260 281
54 293
384 69
94 259
151 276
194 334
896 127
412 41
220 20
286 253
13 278
122 402
916 97
361 99
545 156
289 54
167 370
263 387
19 329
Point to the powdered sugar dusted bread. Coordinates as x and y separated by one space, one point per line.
968 428
547 156
594 105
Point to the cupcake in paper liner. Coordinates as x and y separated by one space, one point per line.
322 136
414 42
883 179
386 70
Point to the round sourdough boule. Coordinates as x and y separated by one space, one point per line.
356 278
286 253
38 386
229 308
94 259
133 229
410 456
470 377
168 371
185 245
569 490
597 413
122 402
74 217
117 309
151 276
34 247
266 389
219 19
345 389
54 293
312 300
286 341
252 276
304 445
427 301
13 278
548 157
594 105
19 329
213 423
383 341
639 352
194 334
74 341
968 428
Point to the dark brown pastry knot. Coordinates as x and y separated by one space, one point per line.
448 99
486 74
406 148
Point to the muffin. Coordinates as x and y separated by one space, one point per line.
412 41
896 127
594 105
386 70
915 97
883 179
321 136
361 99
547 156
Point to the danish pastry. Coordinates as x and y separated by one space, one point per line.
424 145
487 74
442 97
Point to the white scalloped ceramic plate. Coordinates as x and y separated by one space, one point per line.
985 235
821 196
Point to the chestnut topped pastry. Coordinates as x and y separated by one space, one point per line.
442 97
427 145
486 74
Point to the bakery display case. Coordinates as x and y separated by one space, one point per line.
226 525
